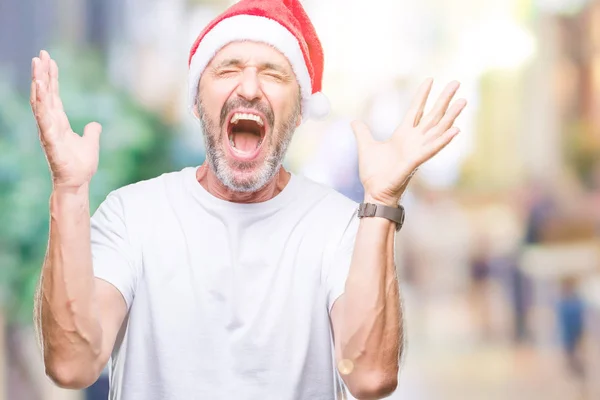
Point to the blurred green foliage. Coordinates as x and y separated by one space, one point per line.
135 145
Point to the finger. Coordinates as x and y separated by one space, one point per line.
54 89
34 60
42 114
415 110
448 119
362 133
32 93
441 105
38 96
92 132
418 118
33 97
443 140
37 69
45 72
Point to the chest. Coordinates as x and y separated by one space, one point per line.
240 295
243 272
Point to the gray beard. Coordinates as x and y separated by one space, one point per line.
215 154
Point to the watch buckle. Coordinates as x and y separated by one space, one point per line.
368 210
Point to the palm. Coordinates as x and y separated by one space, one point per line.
72 159
385 167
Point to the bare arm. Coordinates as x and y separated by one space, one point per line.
366 319
77 317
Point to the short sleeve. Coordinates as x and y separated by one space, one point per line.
339 264
112 253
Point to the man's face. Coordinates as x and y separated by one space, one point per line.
249 105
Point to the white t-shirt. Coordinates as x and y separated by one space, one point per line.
226 300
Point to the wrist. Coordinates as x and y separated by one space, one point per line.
383 200
383 212
68 197
69 190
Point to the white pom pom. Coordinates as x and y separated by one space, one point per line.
319 106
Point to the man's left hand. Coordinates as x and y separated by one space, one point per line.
386 167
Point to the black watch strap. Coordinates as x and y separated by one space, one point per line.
395 214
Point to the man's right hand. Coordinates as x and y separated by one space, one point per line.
73 159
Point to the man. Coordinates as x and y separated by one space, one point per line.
237 279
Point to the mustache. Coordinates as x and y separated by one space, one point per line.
256 105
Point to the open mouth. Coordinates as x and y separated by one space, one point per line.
245 132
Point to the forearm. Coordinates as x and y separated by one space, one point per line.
371 328
67 318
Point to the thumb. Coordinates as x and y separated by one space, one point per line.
362 133
91 132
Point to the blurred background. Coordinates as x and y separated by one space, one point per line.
499 258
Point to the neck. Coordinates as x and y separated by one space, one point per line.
209 181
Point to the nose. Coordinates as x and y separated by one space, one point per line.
249 86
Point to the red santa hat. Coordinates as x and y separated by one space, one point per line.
281 23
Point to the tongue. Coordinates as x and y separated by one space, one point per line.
245 141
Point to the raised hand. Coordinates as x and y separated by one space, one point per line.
386 167
73 159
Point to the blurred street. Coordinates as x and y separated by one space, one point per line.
450 361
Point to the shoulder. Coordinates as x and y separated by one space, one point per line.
333 207
311 188
323 191
143 198
150 190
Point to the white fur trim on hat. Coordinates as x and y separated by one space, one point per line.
253 28
319 106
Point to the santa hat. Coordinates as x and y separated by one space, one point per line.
281 23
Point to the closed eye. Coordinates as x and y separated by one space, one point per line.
276 75
227 72
273 74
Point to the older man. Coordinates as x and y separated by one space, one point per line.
236 279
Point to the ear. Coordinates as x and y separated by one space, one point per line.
195 110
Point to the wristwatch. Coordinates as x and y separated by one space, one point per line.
395 214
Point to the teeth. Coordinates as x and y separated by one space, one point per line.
251 117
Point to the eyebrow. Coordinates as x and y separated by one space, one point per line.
230 62
236 62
